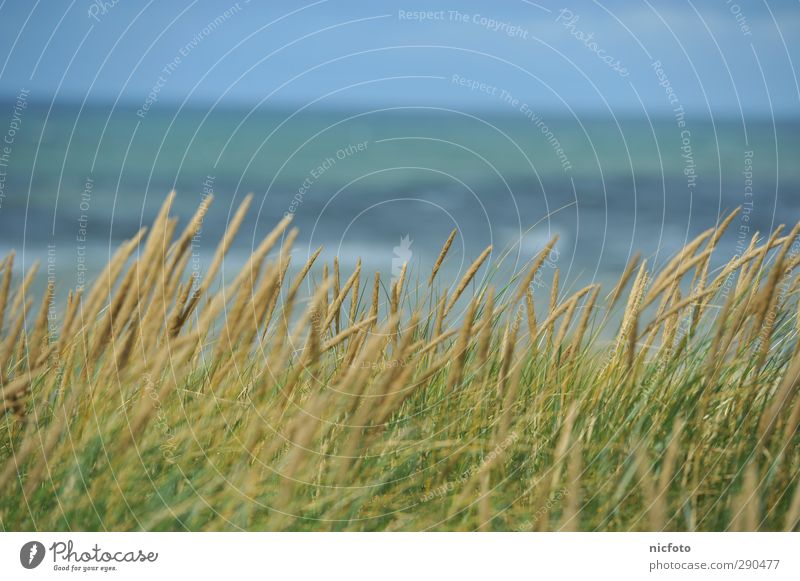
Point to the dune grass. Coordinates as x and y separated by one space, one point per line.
157 401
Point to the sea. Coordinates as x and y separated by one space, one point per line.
387 185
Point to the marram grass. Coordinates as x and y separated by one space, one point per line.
162 402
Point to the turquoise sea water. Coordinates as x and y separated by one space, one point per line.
388 185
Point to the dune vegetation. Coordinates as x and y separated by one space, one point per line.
301 397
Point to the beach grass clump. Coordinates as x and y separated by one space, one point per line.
286 400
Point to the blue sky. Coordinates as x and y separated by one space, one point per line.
719 57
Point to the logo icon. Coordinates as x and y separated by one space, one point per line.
402 255
31 554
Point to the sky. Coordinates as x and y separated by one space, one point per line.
712 57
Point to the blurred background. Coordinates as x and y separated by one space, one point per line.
381 126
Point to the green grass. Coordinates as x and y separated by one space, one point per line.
158 402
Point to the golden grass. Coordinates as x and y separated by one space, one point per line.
161 402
